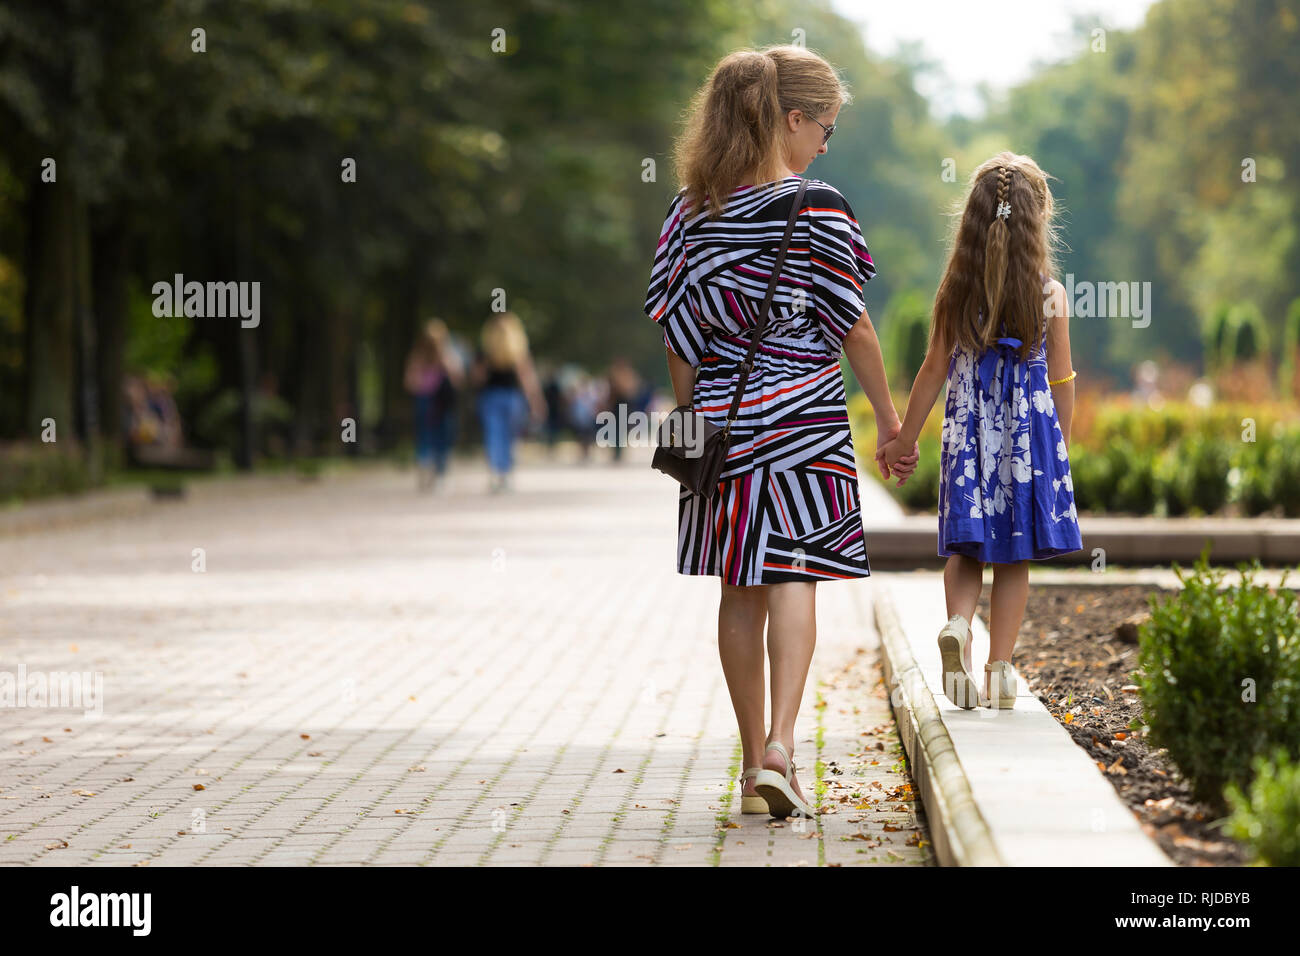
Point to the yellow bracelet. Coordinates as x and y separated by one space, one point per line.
1062 381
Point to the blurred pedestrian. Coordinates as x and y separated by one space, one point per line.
508 392
625 395
434 376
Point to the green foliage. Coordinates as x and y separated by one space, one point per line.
1290 351
1268 817
1249 334
38 469
1219 673
1194 474
1216 335
907 326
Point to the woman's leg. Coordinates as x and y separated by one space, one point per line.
791 637
1007 608
963 579
423 438
742 612
444 437
495 415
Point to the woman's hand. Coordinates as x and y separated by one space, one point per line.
904 464
897 459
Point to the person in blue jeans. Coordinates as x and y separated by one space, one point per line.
509 393
434 375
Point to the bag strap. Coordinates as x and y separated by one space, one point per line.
747 366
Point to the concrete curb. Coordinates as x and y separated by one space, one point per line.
1001 788
912 541
960 834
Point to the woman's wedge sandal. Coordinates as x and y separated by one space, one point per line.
1002 686
751 804
781 799
958 683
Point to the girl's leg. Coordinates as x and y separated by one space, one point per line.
963 579
1006 610
791 637
742 613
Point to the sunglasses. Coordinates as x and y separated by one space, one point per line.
829 129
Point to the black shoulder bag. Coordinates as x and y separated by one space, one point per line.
692 448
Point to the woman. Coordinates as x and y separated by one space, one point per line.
508 390
433 376
786 514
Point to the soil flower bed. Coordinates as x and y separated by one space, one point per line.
1077 651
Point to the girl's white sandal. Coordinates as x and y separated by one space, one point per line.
1002 686
958 683
751 804
781 799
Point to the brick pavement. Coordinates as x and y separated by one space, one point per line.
365 675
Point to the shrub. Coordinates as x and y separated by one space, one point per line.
37 469
1134 467
1215 337
1290 352
908 323
1219 674
1268 818
1195 475
1284 467
1255 485
1248 333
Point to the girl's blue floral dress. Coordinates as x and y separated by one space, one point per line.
1005 493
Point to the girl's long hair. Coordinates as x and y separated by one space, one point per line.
734 125
993 283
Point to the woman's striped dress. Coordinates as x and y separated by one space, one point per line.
787 509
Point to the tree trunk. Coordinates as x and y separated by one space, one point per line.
109 266
50 333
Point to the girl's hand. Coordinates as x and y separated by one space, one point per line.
896 459
885 432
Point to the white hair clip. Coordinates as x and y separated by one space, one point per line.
1004 210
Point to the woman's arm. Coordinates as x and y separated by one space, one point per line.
862 347
527 373
682 374
1059 363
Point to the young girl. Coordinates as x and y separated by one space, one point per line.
1000 337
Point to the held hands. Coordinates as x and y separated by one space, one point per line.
892 457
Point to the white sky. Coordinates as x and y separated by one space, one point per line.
997 42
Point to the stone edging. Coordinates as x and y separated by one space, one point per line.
960 834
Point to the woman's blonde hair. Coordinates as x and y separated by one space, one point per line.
993 284
734 125
504 341
433 341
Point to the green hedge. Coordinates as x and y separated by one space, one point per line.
38 469
1267 818
1219 673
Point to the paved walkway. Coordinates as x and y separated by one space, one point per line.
364 675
